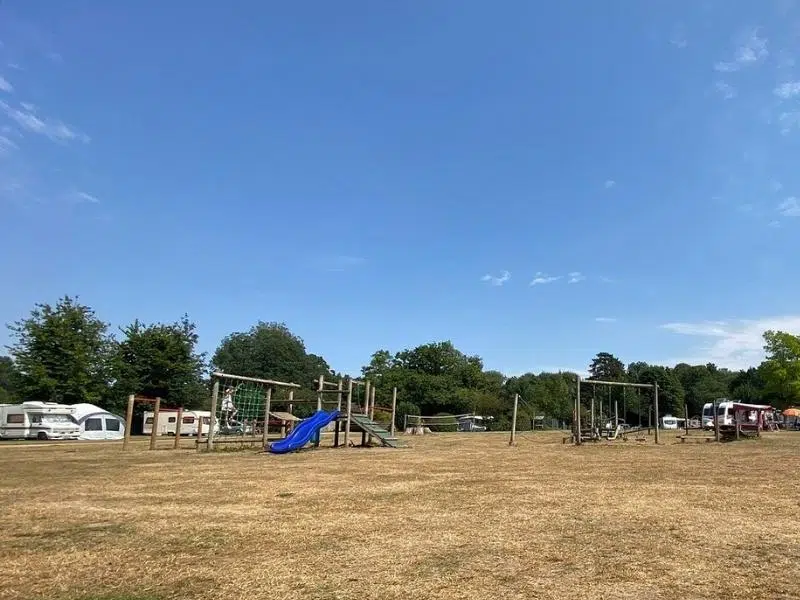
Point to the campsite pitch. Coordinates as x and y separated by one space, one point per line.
455 516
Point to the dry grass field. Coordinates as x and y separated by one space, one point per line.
455 516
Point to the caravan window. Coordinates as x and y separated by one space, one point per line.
15 419
722 410
57 419
206 420
172 419
93 425
112 425
149 420
188 420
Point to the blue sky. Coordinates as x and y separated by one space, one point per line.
535 182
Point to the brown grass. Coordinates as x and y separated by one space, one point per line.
456 516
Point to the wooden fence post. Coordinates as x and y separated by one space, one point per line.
178 425
128 422
213 420
267 407
154 431
513 439
394 411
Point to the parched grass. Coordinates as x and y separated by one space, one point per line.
455 516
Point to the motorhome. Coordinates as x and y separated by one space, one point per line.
191 421
38 420
726 413
98 424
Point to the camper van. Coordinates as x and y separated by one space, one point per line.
191 421
727 415
37 420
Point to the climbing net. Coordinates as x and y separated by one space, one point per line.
241 406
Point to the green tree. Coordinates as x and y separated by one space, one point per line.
607 367
269 351
62 353
9 380
781 369
160 360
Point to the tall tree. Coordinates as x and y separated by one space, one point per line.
781 369
9 382
62 353
160 361
607 367
269 351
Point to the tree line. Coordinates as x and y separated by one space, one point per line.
66 353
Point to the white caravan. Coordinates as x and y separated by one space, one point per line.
670 422
98 424
37 420
191 421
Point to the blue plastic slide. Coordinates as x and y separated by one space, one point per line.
303 432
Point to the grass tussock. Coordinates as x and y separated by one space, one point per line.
455 516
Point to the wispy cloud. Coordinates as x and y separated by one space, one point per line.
751 49
53 129
575 277
542 278
726 90
731 344
606 319
85 197
789 207
610 183
788 89
5 86
497 281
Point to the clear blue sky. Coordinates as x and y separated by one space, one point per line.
379 175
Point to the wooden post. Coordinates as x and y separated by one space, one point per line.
349 413
129 422
513 439
320 387
686 418
578 413
736 422
394 412
716 422
154 431
339 396
592 414
213 419
178 424
267 407
655 408
372 403
367 387
616 414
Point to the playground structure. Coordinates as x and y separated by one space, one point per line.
598 428
243 411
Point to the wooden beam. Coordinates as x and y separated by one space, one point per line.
257 380
265 434
621 383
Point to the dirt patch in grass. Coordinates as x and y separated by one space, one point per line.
455 516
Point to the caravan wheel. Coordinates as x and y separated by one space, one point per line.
41 436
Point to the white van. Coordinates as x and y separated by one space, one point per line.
38 420
191 421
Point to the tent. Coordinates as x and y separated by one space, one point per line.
97 423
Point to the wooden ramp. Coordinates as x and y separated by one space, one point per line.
372 428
